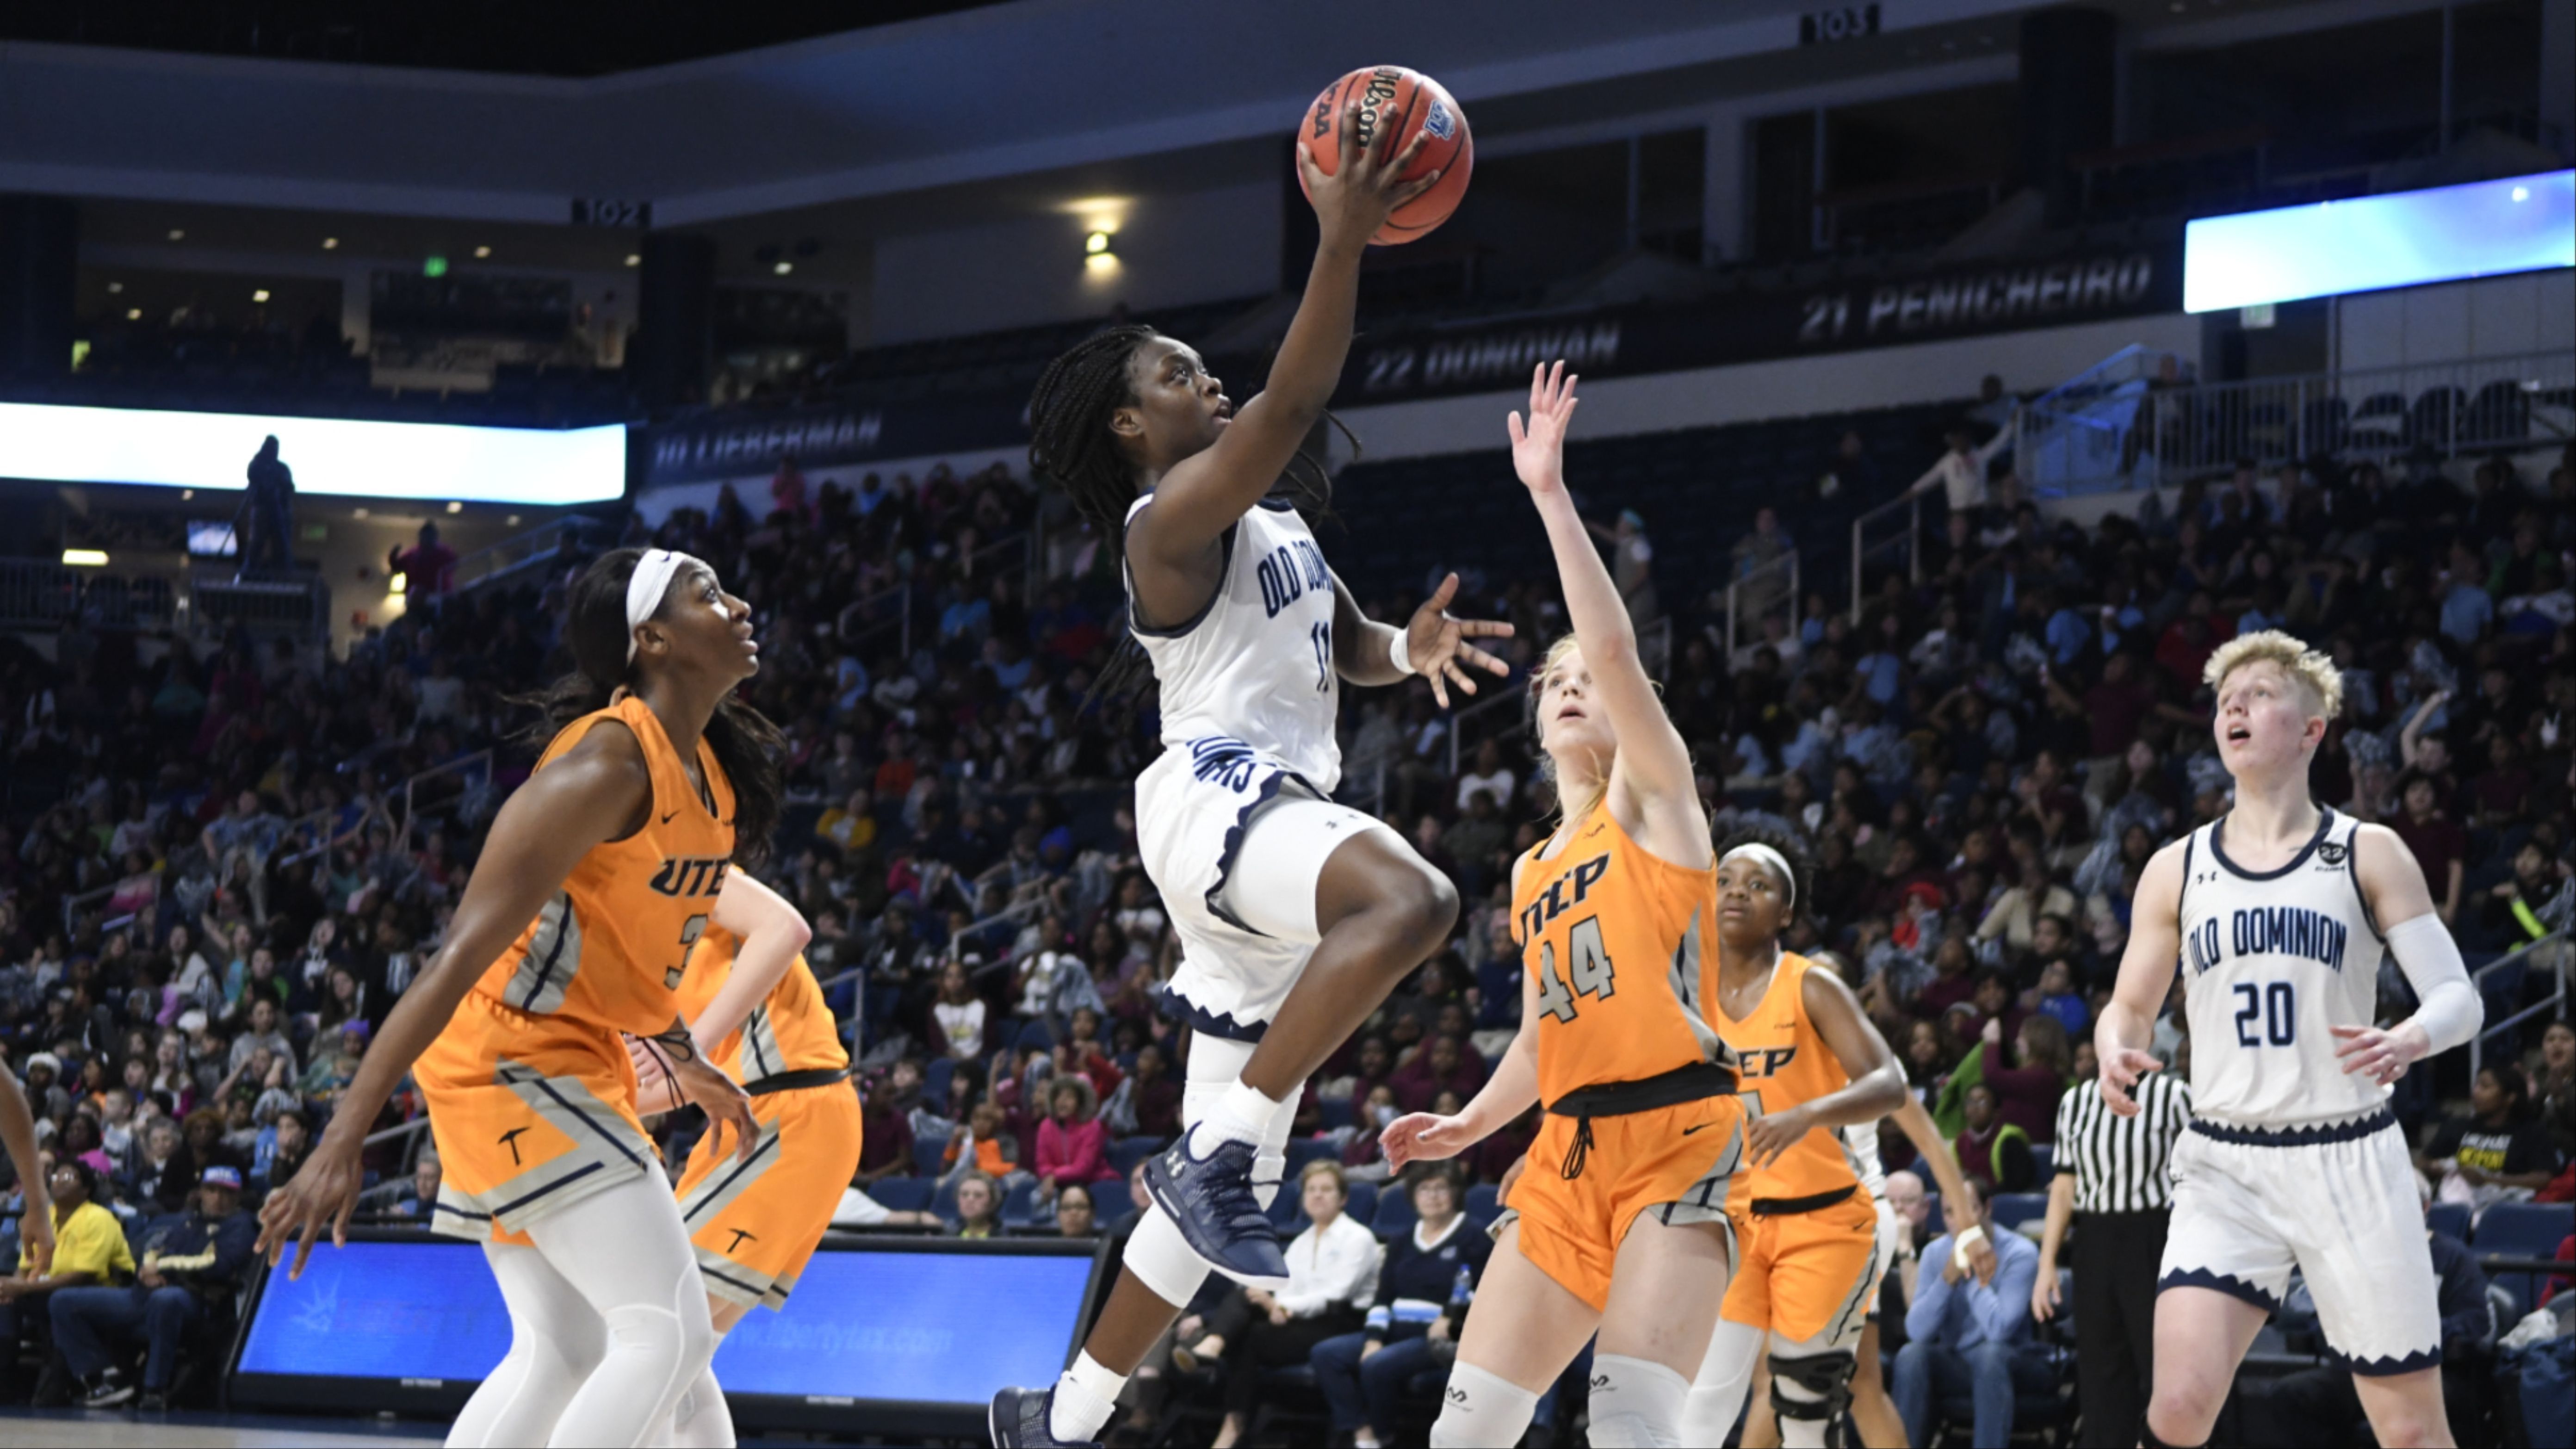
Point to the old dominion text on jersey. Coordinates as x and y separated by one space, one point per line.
2270 931
1288 572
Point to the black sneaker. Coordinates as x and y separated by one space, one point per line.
1018 1420
1210 1200
108 1390
153 1401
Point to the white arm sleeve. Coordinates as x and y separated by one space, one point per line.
2449 1010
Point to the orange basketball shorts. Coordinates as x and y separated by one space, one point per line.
1678 1163
1809 1274
531 1114
754 1224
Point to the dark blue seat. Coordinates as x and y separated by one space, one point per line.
934 1082
903 1194
1483 1204
2012 1209
2522 1230
1126 1152
1395 1215
2450 1219
929 1158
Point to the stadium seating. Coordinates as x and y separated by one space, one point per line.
2522 1230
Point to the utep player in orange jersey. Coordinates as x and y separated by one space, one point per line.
755 1010
598 875
1816 1073
1621 1222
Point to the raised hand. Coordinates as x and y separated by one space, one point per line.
1365 186
1538 448
1437 646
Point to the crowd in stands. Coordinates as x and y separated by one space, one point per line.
215 879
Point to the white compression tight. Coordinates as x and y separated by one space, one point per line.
703 1421
608 1326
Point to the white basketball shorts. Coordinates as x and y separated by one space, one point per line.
2336 1201
1235 842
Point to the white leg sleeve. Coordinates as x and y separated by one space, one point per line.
1636 1403
1479 1410
627 1253
702 1420
556 1339
1725 1372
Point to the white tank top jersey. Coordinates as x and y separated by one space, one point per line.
2270 961
1256 665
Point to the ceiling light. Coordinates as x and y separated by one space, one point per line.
85 558
178 234
115 287
456 508
330 243
482 251
782 268
260 296
633 260
357 513
1096 244
133 314
514 520
398 584
187 493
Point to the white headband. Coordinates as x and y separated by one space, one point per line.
646 586
1769 857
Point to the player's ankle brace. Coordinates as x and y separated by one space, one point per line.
1478 1408
1636 1403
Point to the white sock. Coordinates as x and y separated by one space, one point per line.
1241 1115
1636 1403
1085 1397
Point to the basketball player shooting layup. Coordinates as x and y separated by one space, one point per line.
1296 915
2293 1159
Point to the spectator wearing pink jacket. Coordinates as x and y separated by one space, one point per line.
1073 1143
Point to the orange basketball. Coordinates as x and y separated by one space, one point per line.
1396 104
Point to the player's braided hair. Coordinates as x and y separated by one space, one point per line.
1069 437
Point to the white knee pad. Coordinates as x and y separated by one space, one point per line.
1161 1259
1479 1410
1725 1373
663 1338
1636 1403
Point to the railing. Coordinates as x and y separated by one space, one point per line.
2125 432
1742 603
502 560
38 593
854 624
410 790
2554 961
1458 723
296 607
1862 550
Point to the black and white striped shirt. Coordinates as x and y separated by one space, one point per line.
2122 1164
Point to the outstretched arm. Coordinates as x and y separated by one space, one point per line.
1435 644
1203 495
1653 764
2147 967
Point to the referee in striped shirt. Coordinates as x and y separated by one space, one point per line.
2114 1182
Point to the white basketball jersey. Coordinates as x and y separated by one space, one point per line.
1257 662
1860 1145
2270 961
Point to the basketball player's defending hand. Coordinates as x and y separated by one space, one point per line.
1437 644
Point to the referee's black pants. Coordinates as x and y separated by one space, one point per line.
2116 1258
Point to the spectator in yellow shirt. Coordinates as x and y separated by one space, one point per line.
89 1249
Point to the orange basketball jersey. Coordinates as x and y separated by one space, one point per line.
1612 934
610 947
789 1032
1784 1062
